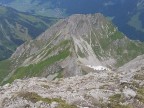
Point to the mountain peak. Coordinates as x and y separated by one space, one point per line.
78 25
73 46
85 22
85 16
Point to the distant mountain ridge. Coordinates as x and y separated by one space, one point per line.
128 18
69 47
17 27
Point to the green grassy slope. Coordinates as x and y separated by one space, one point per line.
5 68
37 69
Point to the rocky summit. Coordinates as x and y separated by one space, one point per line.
82 61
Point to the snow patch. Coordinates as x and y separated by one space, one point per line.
100 68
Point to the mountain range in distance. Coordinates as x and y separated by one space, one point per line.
128 15
17 27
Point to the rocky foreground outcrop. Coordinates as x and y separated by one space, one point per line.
101 89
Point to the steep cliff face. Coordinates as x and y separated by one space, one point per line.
76 45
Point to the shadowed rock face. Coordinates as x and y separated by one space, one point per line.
67 47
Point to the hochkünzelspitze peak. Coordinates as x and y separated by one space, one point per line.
83 24
74 46
77 25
